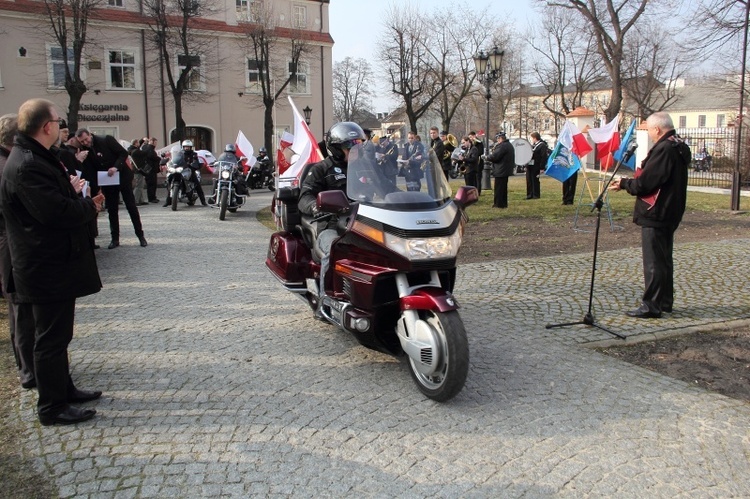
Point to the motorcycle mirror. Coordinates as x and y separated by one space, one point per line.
333 201
467 195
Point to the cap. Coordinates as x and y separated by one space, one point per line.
500 134
63 124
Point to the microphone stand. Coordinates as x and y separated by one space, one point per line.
588 319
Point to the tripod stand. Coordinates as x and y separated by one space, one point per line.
588 318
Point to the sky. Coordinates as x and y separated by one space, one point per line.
356 29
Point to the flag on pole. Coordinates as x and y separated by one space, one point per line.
282 153
629 136
607 140
562 163
245 148
573 139
304 146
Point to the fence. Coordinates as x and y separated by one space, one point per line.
714 156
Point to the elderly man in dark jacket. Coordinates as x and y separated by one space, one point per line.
52 256
503 159
661 189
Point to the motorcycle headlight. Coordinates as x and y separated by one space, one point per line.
414 249
225 174
174 169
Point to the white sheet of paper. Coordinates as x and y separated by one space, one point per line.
105 179
85 190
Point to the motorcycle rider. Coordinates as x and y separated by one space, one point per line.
230 156
328 175
265 164
189 158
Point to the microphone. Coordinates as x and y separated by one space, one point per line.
630 151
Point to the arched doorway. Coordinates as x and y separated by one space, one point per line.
202 137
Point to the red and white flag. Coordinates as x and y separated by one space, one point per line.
245 148
607 139
572 138
283 154
305 148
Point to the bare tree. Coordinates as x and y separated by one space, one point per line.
69 20
652 66
567 63
411 69
173 32
610 21
455 40
262 42
352 88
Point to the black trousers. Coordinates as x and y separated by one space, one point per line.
22 334
112 196
532 182
657 244
569 189
53 332
151 184
501 192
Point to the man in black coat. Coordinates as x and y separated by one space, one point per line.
470 160
539 154
152 167
111 157
661 189
51 253
503 159
20 315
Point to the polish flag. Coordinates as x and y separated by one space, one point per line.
607 140
282 153
575 140
245 148
305 147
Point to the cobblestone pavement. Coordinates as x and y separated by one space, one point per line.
218 383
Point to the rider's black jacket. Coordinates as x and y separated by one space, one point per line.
326 175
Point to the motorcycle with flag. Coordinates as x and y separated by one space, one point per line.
392 268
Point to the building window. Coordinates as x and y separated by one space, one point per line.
701 121
683 122
253 83
195 78
299 16
298 83
56 66
246 10
721 120
115 3
122 69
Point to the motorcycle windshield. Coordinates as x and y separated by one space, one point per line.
419 185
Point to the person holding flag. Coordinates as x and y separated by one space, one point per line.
661 189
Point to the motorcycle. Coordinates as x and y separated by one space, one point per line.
180 181
225 195
457 166
261 175
702 162
391 269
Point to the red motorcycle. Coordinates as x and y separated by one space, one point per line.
391 270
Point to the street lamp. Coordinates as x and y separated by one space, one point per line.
307 112
489 70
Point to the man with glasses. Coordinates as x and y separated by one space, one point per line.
52 255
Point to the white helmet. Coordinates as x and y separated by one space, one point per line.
187 143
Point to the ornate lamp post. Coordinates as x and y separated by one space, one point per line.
307 112
489 70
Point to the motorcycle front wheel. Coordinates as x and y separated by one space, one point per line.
175 195
453 173
223 201
450 376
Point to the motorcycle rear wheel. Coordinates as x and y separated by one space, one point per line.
175 196
223 197
451 376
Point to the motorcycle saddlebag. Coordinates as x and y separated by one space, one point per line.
288 258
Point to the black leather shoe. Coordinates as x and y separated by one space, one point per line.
165 205
28 385
83 396
667 309
154 201
113 244
643 313
70 415
143 241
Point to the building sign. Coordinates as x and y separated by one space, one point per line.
103 112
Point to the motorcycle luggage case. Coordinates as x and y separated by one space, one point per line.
287 258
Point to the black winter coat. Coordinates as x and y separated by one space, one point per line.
106 153
51 250
664 171
503 159
326 175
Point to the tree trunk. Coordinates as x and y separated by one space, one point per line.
179 133
268 125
